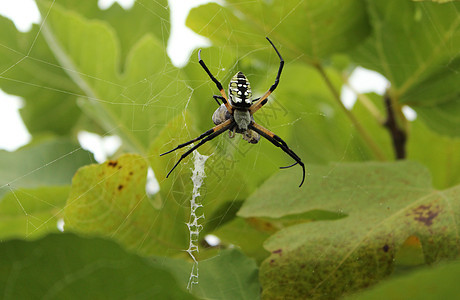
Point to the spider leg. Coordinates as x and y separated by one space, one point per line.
289 166
217 130
218 84
210 131
263 100
278 142
217 98
255 100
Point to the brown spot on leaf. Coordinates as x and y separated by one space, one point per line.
112 163
425 213
131 173
262 225
120 187
278 251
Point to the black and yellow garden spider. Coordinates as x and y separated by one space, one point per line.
236 115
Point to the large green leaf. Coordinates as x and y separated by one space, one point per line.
51 162
31 213
133 98
248 234
438 282
29 69
384 203
424 70
110 200
144 17
310 29
64 266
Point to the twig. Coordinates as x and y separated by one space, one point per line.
398 135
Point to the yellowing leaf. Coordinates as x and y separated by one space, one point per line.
110 200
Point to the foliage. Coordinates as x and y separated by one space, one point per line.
361 220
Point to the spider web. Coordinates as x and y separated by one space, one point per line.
273 116
231 153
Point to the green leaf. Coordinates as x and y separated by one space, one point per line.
144 17
437 152
137 96
423 72
29 70
51 162
437 282
248 234
326 27
64 266
110 200
385 203
32 213
229 275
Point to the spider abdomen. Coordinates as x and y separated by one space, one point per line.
239 91
221 115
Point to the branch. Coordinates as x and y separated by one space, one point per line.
398 135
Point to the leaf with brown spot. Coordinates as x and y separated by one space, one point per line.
110 200
384 204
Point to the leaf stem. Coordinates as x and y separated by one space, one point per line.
364 134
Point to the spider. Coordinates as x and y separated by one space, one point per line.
236 115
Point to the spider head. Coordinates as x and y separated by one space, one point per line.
239 91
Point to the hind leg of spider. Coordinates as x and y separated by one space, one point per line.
210 131
278 142
217 130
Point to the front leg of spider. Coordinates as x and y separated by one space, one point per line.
236 115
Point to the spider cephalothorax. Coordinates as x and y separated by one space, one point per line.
236 115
